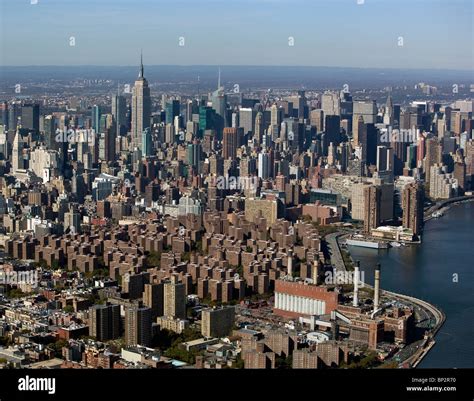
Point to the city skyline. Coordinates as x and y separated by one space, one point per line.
194 190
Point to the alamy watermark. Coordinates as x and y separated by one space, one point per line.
75 136
343 277
399 135
19 277
37 384
235 183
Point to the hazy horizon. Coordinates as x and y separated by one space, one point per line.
236 66
205 76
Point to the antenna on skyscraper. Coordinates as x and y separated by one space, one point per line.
199 95
141 75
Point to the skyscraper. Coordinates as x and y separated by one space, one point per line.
246 119
332 131
384 159
219 99
370 144
368 110
109 143
331 154
175 299
141 108
4 144
119 111
412 205
147 143
420 150
259 127
30 117
171 110
317 119
263 165
276 115
104 322
153 297
49 132
14 112
194 154
4 114
459 172
433 155
372 198
469 160
443 185
331 104
17 153
96 114
388 115
217 322
72 220
357 130
230 143
358 200
207 119
138 326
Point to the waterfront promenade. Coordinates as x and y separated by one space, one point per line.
428 215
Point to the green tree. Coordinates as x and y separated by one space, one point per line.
390 365
197 246
283 363
240 270
153 259
43 264
181 354
368 361
16 293
57 347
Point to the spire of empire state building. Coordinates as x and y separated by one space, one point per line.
141 107
141 75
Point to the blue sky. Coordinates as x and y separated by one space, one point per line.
436 33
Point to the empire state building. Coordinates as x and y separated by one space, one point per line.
141 108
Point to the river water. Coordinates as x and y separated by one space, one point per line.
440 271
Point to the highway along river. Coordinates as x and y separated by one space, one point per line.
440 271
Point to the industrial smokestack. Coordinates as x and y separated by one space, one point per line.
355 302
315 272
377 287
290 263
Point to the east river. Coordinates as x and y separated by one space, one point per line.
440 271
